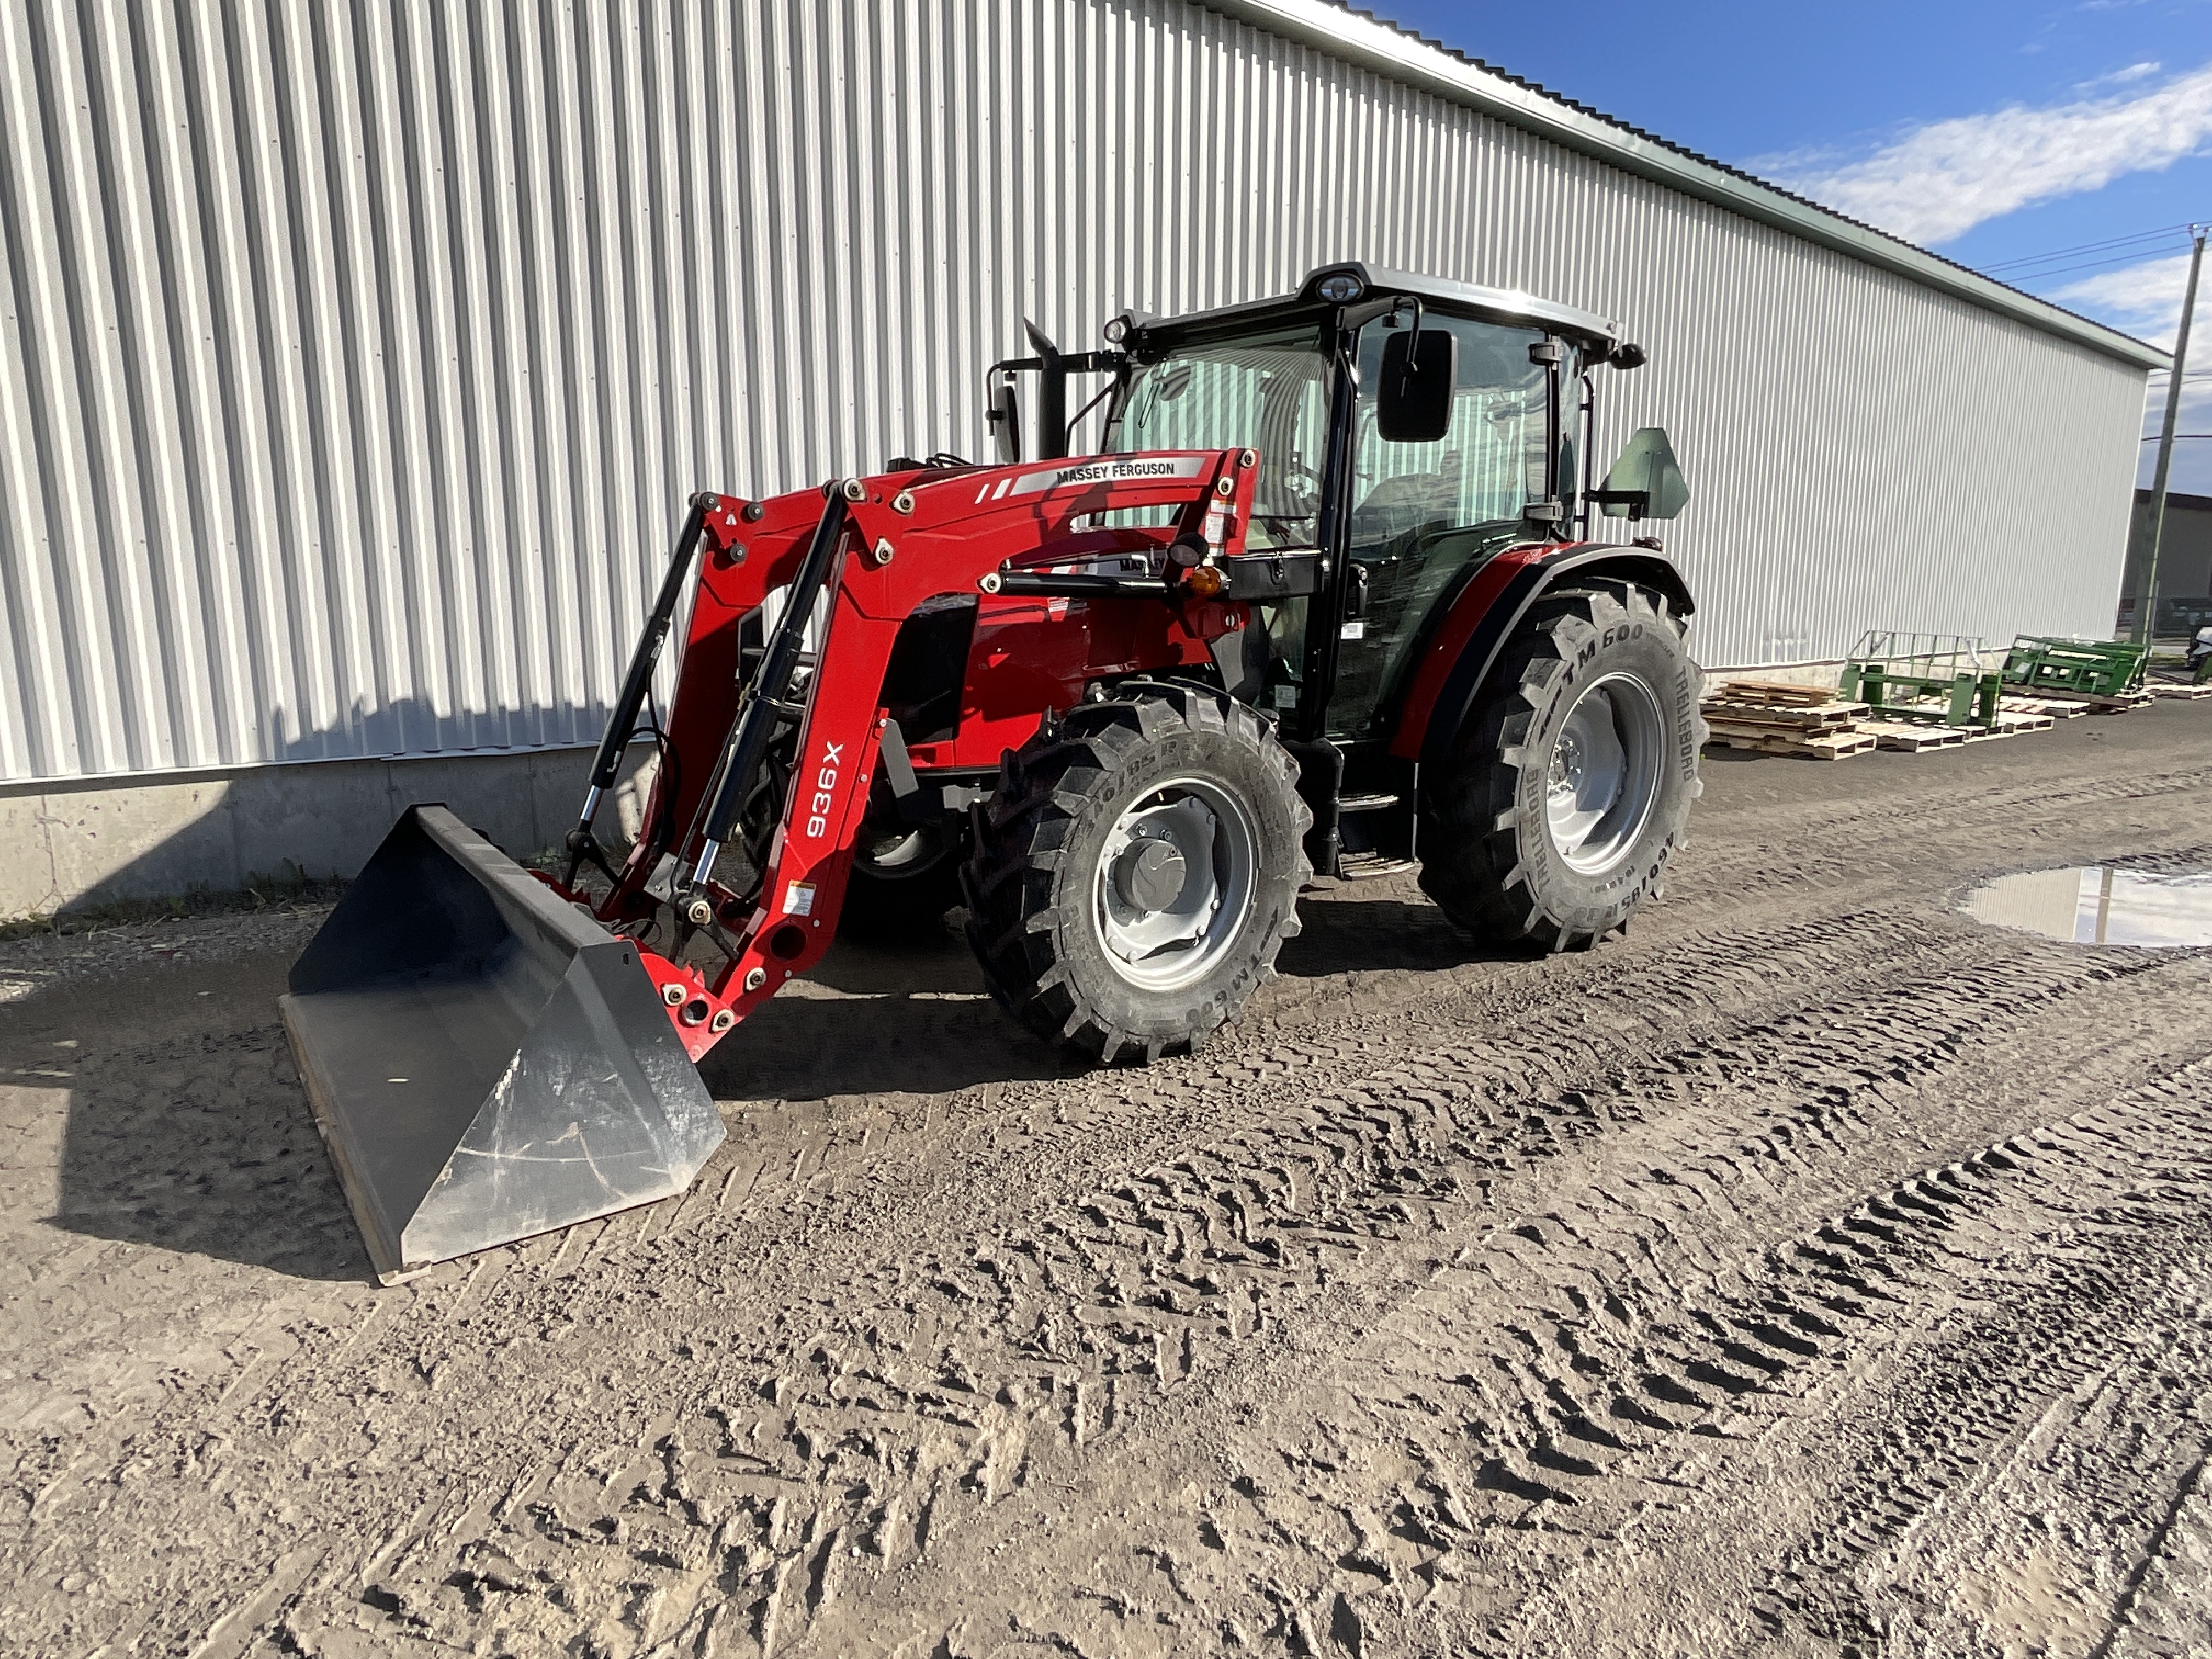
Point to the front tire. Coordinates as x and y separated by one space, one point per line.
1568 790
1137 871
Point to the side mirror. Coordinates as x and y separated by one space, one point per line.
1004 417
1645 482
1414 398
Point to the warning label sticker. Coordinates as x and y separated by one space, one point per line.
799 899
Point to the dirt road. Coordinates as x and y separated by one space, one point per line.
1816 1271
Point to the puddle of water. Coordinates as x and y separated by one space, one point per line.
2101 905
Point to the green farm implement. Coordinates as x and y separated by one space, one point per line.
2082 668
1921 677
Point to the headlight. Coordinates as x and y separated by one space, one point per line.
1341 289
1116 329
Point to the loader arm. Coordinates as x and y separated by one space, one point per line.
904 538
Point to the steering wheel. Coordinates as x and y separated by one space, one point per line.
1300 484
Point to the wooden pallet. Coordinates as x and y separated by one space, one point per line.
2040 706
2008 722
1780 692
2177 689
1760 717
1814 745
2090 703
1910 737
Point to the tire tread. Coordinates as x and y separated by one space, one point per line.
1472 862
1019 834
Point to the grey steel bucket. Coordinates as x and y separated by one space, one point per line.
486 1061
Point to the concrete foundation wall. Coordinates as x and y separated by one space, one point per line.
73 845
77 845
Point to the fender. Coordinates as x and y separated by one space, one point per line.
1484 616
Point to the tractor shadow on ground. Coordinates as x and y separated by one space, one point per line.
1387 926
185 1126
200 1142
909 1017
914 1018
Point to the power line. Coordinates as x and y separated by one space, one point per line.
2091 247
2135 258
2085 247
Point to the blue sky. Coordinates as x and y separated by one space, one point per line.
1995 134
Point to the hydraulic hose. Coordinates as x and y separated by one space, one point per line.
607 763
762 703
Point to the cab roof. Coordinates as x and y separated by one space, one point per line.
1377 282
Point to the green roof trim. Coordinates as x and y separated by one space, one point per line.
1361 38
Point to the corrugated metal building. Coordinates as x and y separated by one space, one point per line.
2185 564
354 360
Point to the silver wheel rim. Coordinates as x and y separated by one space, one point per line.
1175 882
897 853
1603 775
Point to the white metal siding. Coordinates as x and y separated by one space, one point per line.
357 358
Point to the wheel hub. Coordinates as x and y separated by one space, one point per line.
1604 772
1567 765
1150 873
1175 880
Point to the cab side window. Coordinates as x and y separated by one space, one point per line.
1421 513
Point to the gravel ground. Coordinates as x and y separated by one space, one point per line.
1815 1271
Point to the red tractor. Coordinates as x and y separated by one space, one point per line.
1321 601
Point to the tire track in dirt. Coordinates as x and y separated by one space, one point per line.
907 1420
683 1428
574 1281
1800 850
1565 1444
2043 1302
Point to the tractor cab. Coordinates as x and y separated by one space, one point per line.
1409 429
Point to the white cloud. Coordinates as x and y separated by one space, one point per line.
1940 181
2145 299
2118 77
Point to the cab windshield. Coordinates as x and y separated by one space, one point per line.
1419 516
1267 391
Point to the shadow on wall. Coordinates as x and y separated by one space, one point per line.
95 842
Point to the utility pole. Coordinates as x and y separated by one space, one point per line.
2146 626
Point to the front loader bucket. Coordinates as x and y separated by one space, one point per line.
486 1061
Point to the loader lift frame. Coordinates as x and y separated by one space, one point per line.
881 547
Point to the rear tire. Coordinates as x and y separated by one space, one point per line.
901 888
1568 789
1137 871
